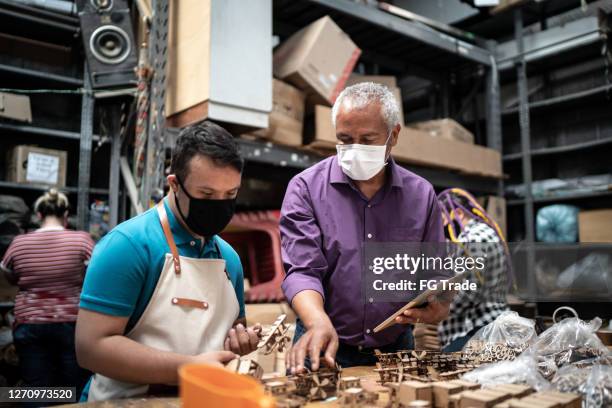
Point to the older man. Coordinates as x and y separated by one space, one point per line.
330 210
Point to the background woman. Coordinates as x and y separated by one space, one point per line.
48 266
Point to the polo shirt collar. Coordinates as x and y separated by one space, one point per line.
337 176
180 234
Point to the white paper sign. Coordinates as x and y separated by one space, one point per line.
42 168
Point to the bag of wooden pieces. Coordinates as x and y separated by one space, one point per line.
593 382
522 370
568 341
502 339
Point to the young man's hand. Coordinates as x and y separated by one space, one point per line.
243 340
215 358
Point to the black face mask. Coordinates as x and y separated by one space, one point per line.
207 217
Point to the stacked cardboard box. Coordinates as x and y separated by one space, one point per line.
318 59
417 147
496 207
446 129
287 117
36 165
595 225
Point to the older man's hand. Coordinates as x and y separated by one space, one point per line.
433 313
320 338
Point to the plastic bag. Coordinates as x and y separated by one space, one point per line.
566 342
593 382
504 338
557 223
523 370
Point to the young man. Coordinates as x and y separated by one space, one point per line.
162 289
330 211
477 235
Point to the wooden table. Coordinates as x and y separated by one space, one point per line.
365 373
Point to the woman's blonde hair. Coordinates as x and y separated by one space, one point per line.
52 203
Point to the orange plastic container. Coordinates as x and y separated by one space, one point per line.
207 386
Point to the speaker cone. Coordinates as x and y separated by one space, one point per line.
110 44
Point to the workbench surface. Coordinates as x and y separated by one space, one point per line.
361 372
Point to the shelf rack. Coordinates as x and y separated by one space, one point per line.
400 47
62 29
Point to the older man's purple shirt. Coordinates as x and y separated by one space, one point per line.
325 221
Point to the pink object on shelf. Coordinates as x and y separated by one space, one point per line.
256 238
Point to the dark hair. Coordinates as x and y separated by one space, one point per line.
208 139
52 203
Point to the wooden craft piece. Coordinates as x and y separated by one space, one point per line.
442 391
276 336
245 367
414 390
569 400
416 302
482 398
356 398
317 385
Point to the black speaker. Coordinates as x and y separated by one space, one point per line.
108 39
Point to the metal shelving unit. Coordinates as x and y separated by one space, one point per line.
563 197
399 47
573 35
55 28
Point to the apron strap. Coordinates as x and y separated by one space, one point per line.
163 219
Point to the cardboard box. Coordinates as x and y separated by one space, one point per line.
417 147
323 135
496 207
317 59
219 63
446 129
35 165
386 80
287 117
15 107
595 225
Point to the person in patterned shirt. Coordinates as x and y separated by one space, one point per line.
477 235
48 266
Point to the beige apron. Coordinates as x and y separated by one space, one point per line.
193 307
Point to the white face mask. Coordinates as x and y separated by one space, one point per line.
362 162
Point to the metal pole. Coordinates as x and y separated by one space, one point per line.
114 180
525 127
155 155
87 112
493 108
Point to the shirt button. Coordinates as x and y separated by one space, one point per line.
371 300
369 205
369 235
368 331
360 348
192 243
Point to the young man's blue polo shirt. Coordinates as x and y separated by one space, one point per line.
127 262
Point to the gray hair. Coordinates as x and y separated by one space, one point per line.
359 95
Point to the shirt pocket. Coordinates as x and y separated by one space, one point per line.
404 234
